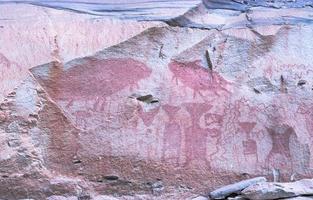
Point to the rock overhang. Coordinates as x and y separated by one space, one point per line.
228 14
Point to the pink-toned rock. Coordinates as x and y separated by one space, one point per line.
152 115
207 123
235 188
33 35
269 190
2 116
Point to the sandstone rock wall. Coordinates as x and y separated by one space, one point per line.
249 114
170 109
32 35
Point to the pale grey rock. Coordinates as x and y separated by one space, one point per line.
157 187
104 197
270 190
237 198
200 198
225 14
223 192
57 197
300 198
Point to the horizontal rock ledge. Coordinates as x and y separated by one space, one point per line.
225 191
271 190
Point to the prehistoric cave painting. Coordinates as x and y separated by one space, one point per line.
148 116
198 78
95 80
196 136
172 136
279 156
249 145
213 124
307 111
243 135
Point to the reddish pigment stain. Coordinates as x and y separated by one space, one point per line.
197 78
247 127
214 123
249 145
148 116
240 113
196 137
280 146
172 136
306 111
280 141
95 80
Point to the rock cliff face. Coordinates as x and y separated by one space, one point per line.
171 109
32 35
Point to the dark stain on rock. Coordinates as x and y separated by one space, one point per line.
147 99
208 60
301 82
256 91
77 161
261 85
283 85
111 178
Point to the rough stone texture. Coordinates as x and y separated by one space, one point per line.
152 115
268 190
32 35
234 188
200 198
122 9
226 14
239 197
300 198
205 124
244 5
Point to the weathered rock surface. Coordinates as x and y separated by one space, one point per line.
200 198
206 124
123 9
32 35
239 197
268 190
300 198
170 109
244 5
226 14
235 188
